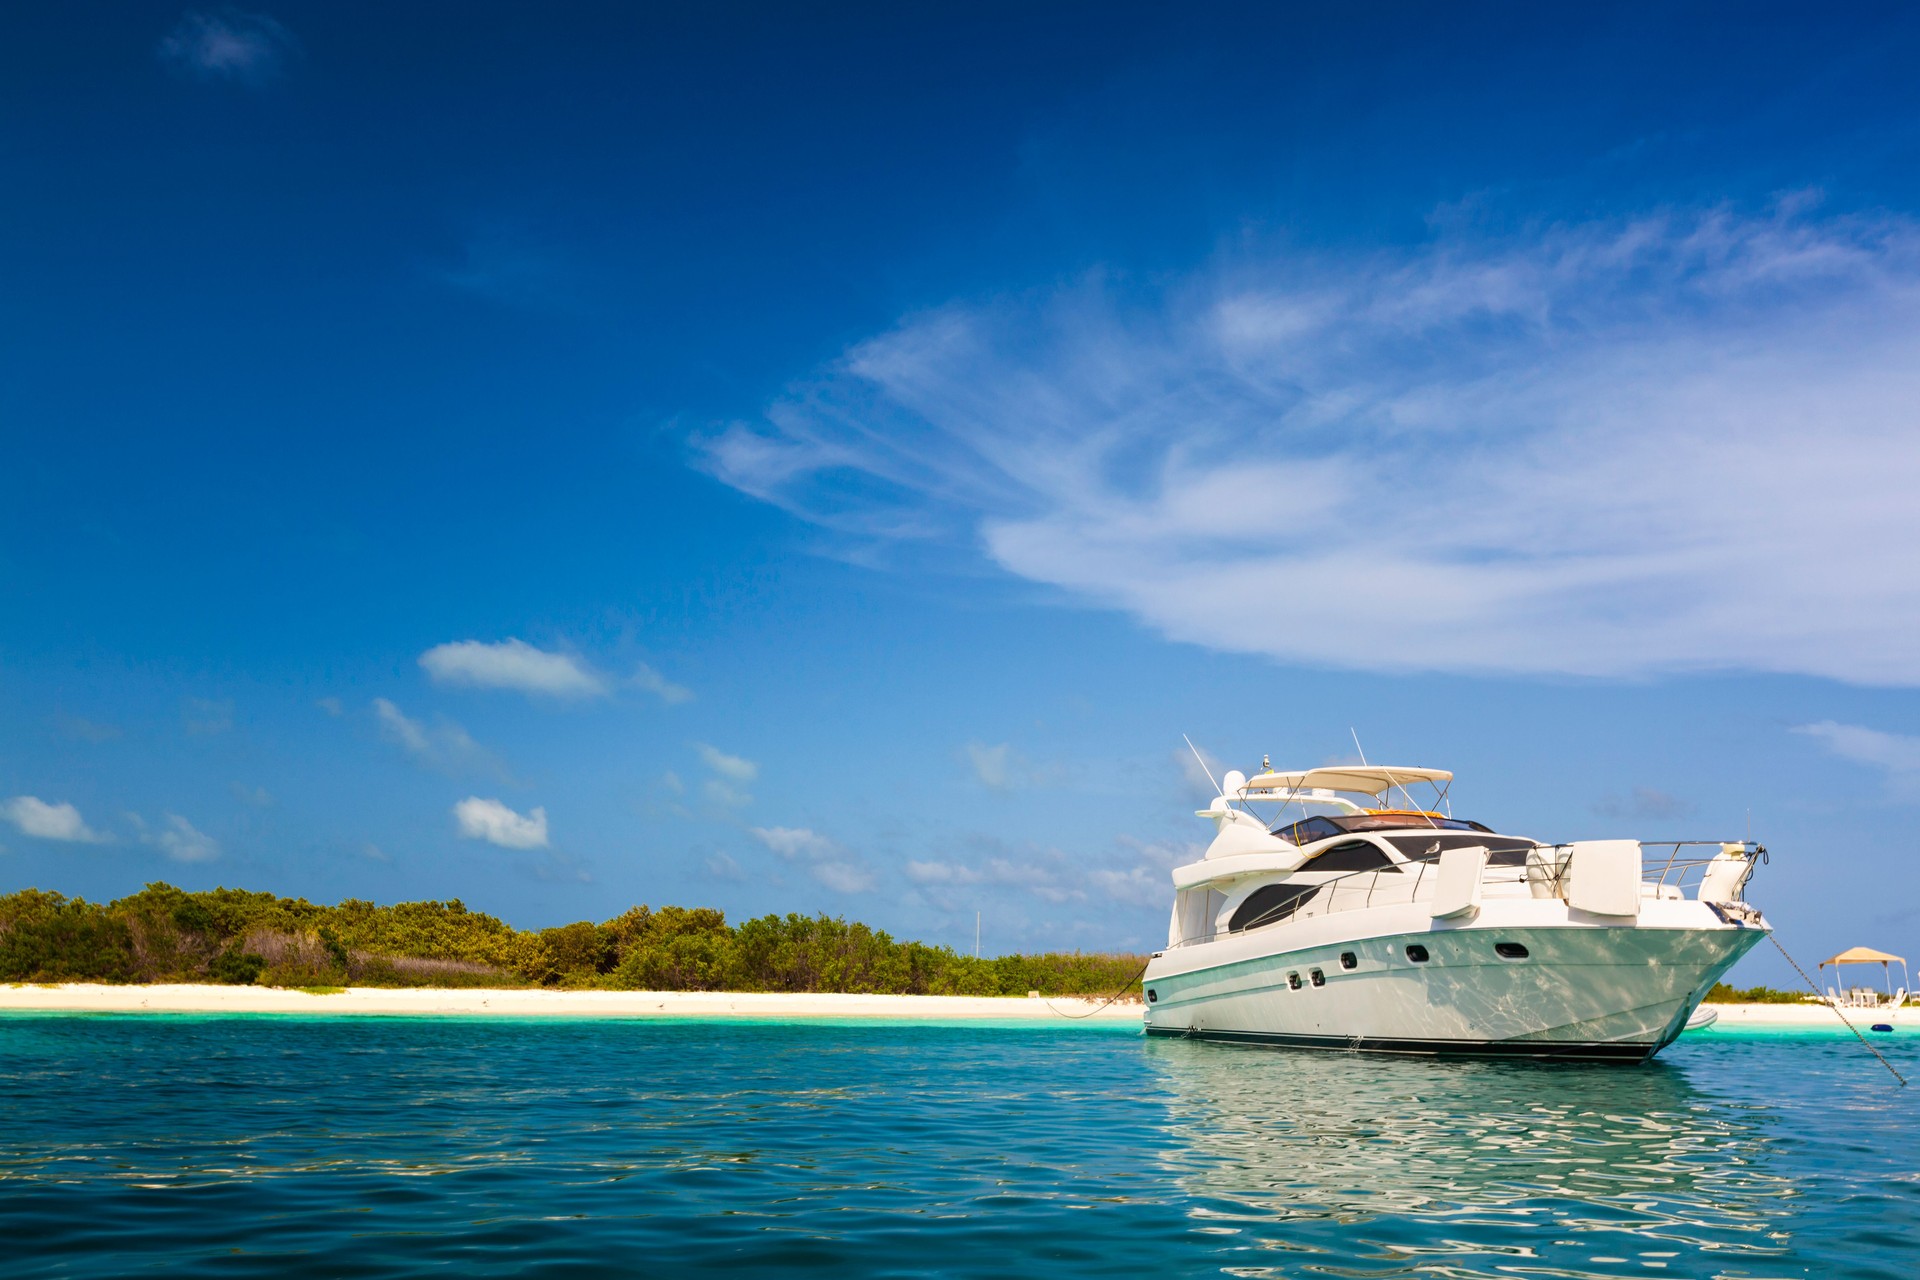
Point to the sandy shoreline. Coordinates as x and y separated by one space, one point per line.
1808 1015
412 1001
84 997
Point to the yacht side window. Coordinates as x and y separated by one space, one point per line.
1354 855
1502 851
1270 904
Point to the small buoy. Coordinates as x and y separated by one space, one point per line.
1883 1026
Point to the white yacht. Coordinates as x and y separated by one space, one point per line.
1365 926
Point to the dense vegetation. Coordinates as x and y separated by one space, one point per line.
1724 994
164 934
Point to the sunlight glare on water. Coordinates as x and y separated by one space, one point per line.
257 1146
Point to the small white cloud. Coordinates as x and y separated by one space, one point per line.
183 842
941 873
1140 885
512 664
989 764
332 706
445 745
1644 803
1001 871
721 866
204 716
81 729
671 781
843 877
495 823
794 842
739 768
999 767
723 793
258 797
645 677
1896 754
250 48
374 853
35 817
826 861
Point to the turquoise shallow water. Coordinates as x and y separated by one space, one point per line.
241 1146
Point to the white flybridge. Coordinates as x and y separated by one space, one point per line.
1407 930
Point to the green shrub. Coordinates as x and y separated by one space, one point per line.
1724 994
236 936
235 966
45 937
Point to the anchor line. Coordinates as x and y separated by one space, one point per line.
1110 999
1814 987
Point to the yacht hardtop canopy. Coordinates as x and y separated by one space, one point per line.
1367 779
1863 955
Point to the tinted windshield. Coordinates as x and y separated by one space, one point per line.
1320 827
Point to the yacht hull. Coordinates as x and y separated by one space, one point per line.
1584 989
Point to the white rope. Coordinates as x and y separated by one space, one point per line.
1814 987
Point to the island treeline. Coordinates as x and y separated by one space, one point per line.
164 934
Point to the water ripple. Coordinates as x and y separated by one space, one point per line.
243 1146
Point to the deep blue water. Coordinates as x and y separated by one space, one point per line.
368 1146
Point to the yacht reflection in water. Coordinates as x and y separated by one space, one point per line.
1400 1159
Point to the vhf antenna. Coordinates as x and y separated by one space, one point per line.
1203 764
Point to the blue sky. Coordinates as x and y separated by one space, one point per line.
572 456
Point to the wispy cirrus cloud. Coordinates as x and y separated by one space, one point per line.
507 262
56 821
651 681
512 664
731 776
204 717
1002 767
825 860
720 865
229 44
80 729
1680 441
794 842
1895 755
443 745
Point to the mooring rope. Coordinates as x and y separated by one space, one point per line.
1815 988
1115 996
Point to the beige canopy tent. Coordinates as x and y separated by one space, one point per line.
1368 779
1862 955
1867 955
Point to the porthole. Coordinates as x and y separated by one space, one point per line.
1416 953
1319 978
1293 980
1348 960
1152 995
1510 951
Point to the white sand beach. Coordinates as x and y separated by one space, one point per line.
411 1001
1808 1015
195 998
